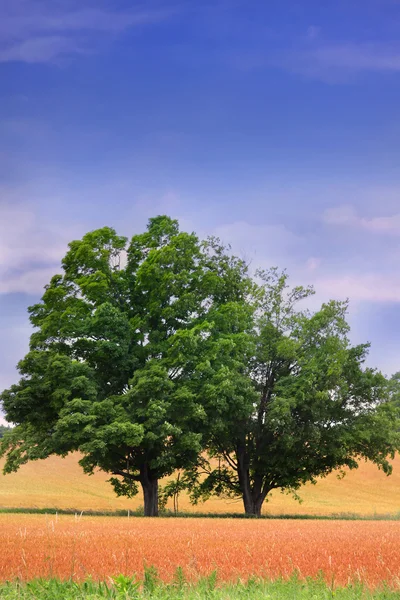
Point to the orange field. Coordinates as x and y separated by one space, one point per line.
79 547
60 483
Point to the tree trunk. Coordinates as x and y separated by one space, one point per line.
253 498
253 495
150 491
252 507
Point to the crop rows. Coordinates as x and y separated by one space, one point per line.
81 547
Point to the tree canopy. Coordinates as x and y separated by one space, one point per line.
150 354
108 366
299 403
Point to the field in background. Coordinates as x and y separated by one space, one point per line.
67 547
60 483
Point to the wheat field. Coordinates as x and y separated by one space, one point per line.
76 548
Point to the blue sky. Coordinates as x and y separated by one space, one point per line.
275 125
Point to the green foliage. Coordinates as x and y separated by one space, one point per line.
123 587
289 398
118 335
394 389
151 579
147 353
126 587
173 489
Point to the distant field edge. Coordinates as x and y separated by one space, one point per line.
206 588
198 515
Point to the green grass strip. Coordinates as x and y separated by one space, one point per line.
192 515
208 588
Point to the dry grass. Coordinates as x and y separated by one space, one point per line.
60 483
68 547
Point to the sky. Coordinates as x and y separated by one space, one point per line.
274 125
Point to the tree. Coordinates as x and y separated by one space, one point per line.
172 490
288 398
148 353
4 429
109 363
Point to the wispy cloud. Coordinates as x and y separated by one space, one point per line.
347 215
42 31
336 62
269 245
381 56
262 246
368 287
40 49
30 249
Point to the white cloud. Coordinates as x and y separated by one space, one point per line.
39 49
347 215
369 287
30 282
262 245
383 224
383 56
340 215
41 31
338 62
25 239
30 249
275 245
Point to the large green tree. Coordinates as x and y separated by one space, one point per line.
108 372
288 397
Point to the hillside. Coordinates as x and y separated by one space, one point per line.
60 483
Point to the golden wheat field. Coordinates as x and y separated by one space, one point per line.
60 483
70 547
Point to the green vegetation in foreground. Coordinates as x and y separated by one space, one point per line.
347 516
124 588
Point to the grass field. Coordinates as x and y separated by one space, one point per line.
206 589
76 548
60 483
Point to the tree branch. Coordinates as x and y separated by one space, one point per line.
231 462
126 475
